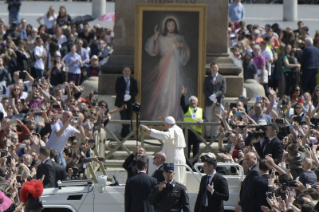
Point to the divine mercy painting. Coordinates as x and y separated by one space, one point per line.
169 61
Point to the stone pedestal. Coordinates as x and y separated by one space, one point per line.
290 10
216 41
91 84
98 7
253 89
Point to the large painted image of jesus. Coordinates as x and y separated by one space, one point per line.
169 61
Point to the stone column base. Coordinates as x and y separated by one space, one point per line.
234 86
116 63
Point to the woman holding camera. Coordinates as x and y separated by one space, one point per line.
57 74
299 115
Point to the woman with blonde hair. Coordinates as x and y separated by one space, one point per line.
17 93
49 19
245 45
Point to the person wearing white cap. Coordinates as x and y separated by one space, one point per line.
173 147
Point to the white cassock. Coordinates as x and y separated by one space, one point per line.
174 144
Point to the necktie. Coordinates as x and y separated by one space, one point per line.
205 192
195 109
127 88
266 144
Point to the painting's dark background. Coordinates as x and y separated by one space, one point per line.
187 23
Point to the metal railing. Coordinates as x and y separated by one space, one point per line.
185 125
93 166
100 137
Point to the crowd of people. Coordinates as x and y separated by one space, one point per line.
59 49
47 125
275 141
283 59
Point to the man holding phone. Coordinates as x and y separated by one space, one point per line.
61 131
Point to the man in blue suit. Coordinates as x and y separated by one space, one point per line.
138 189
309 64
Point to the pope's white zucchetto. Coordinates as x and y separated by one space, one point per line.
170 120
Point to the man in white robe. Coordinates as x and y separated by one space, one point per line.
174 144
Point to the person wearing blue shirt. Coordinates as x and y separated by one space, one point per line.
259 114
236 12
309 63
74 62
23 32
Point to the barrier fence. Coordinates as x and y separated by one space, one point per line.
100 138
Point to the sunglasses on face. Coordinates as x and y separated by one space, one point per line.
297 90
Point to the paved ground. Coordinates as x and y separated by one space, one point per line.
255 13
31 10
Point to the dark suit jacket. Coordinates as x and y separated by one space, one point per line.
137 192
275 148
129 165
215 201
60 173
219 89
120 86
48 169
158 174
245 198
310 58
258 192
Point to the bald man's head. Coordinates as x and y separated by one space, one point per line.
162 156
66 116
159 158
251 159
306 164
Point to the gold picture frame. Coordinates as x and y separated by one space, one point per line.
195 10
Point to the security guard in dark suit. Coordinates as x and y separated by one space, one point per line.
170 195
